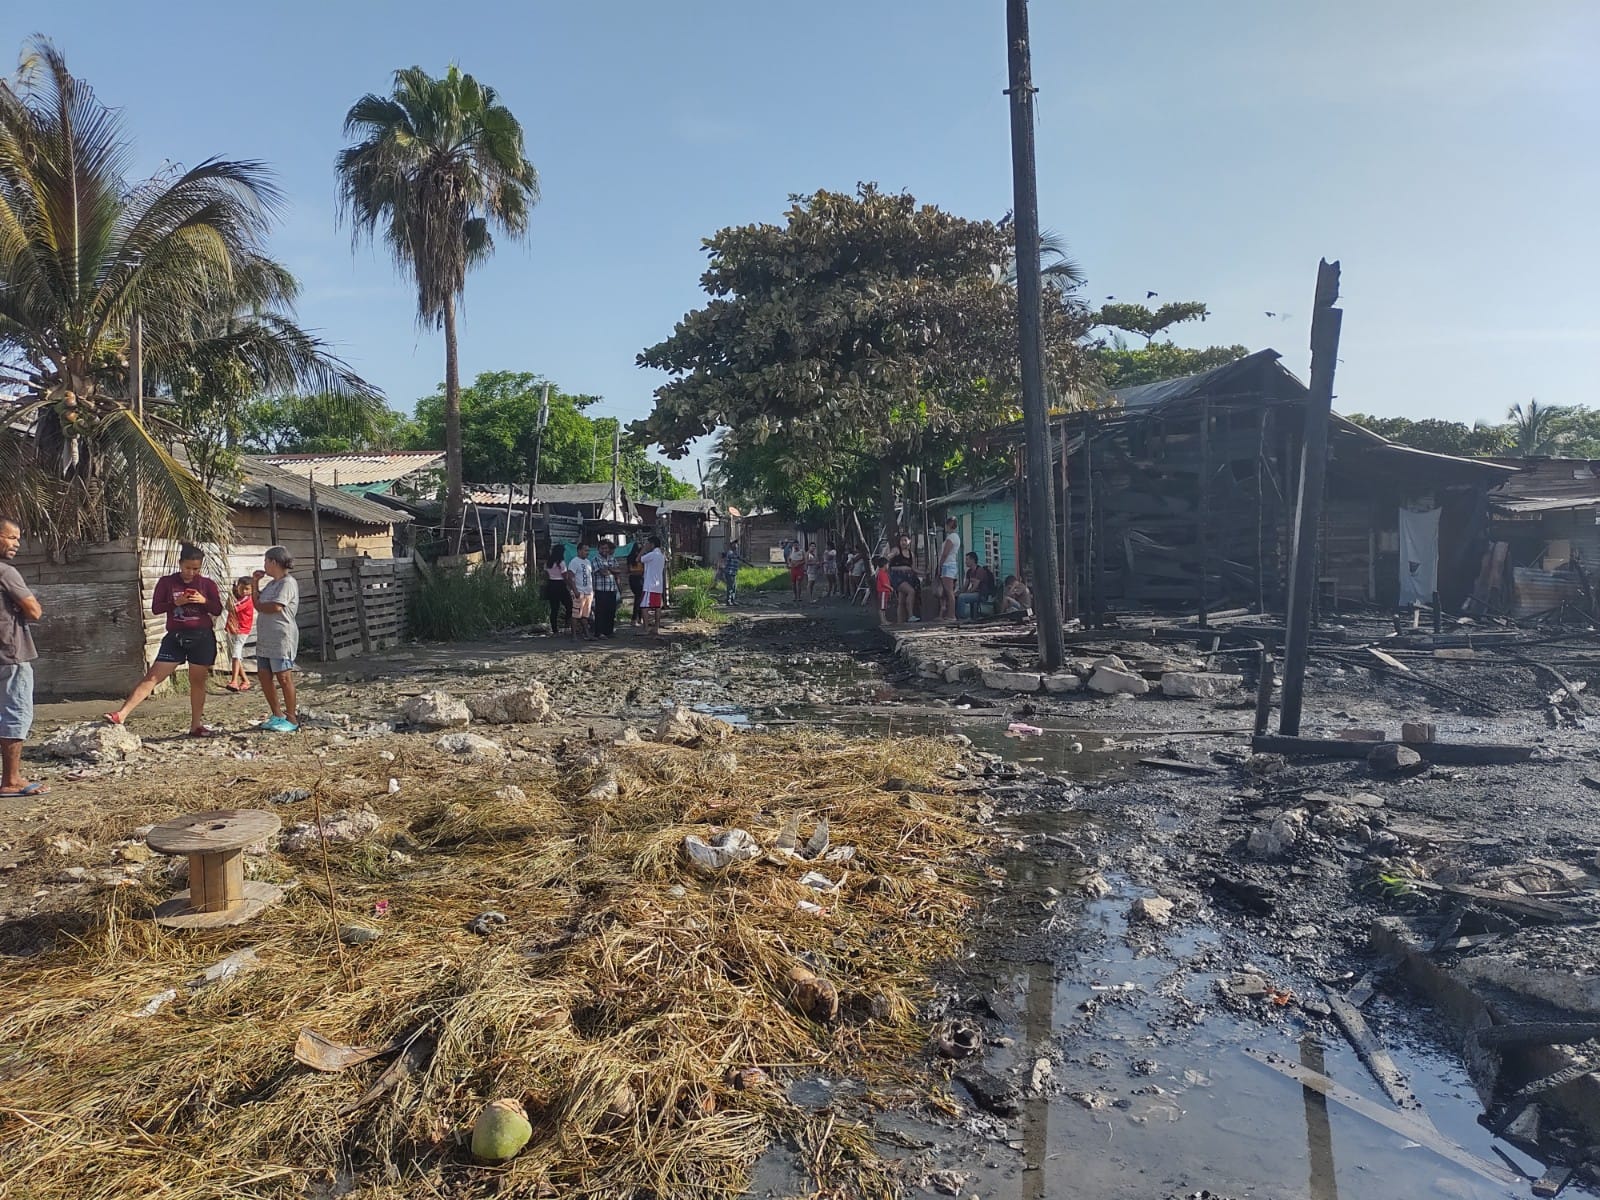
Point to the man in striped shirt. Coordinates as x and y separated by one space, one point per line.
730 573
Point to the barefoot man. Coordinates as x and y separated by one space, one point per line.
18 609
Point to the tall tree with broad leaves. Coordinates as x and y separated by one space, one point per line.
82 250
437 167
865 323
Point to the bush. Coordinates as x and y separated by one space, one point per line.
693 603
452 606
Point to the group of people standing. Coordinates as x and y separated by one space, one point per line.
264 602
589 590
964 583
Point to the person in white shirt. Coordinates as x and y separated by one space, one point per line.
655 584
949 570
580 580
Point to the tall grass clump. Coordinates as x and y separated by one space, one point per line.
751 579
450 606
693 603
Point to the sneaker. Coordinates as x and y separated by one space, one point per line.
279 725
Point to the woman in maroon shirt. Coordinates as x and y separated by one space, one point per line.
192 605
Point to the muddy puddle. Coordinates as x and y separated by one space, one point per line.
1150 1090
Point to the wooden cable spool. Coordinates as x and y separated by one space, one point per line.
215 843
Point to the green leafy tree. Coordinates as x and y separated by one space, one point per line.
1123 366
319 424
83 248
499 424
437 167
863 323
1149 323
1581 432
1439 437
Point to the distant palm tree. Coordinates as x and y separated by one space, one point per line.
1536 430
436 163
82 249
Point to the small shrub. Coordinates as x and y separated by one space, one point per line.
452 606
693 603
751 579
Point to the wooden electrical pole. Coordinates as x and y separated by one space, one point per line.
1035 415
1325 322
136 386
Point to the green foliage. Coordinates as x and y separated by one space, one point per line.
694 604
499 424
317 424
436 168
1538 429
1147 323
1122 367
453 606
751 579
1439 437
83 248
864 325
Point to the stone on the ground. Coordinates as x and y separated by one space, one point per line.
1190 685
1062 681
956 672
1107 660
685 727
1154 910
1273 840
435 710
343 826
471 748
1095 886
511 794
1011 681
1110 681
527 705
990 1092
1081 667
96 741
1416 732
1391 758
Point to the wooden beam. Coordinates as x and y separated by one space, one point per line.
1405 1124
1456 754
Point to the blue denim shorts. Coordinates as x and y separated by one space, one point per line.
275 665
16 701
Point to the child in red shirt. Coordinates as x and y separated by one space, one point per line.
882 587
241 620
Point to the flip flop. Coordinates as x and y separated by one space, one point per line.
232 687
33 789
205 731
114 718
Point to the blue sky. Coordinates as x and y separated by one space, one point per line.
1444 150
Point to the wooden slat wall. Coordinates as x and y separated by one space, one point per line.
91 633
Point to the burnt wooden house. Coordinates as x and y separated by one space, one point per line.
1181 495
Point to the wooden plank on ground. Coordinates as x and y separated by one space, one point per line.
1403 1123
1372 1053
1388 660
1460 754
1525 907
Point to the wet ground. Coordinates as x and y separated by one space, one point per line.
1117 1053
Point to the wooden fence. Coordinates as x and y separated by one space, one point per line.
364 604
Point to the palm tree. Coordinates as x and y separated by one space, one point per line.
1536 430
82 250
436 163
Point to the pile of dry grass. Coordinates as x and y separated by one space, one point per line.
624 1000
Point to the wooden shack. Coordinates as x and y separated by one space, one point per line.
1181 495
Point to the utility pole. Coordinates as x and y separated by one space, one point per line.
1325 322
616 464
1035 414
136 386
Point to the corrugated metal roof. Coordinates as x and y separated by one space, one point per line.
294 491
1550 479
1146 396
544 493
357 469
1503 504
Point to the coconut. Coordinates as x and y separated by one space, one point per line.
501 1130
813 995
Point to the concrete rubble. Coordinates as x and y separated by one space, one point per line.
94 741
435 710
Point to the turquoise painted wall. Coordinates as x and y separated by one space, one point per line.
997 519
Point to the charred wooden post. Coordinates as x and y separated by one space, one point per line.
1325 324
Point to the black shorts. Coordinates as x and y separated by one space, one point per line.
197 647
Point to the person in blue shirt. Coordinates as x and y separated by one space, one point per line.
730 572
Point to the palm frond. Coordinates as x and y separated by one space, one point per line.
175 504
